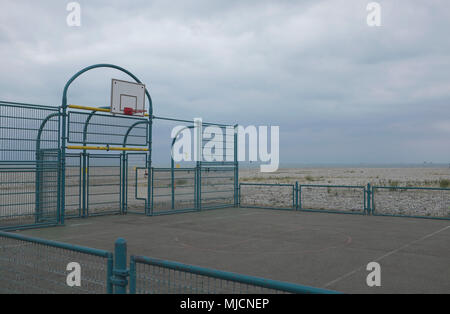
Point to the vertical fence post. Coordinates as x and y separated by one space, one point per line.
300 197
369 199
109 275
236 168
296 195
120 271
239 195
132 275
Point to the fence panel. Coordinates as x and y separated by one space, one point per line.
411 202
29 165
333 198
74 186
31 265
104 184
173 194
107 129
136 183
267 195
217 189
154 276
47 186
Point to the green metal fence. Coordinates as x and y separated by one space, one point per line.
154 276
419 202
415 202
268 195
29 165
46 156
33 265
333 198
175 190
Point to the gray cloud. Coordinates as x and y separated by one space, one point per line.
340 90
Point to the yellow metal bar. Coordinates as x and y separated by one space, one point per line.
106 148
89 108
95 109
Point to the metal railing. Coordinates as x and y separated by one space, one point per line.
333 198
32 265
268 195
155 276
414 202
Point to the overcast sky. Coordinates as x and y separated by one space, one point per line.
341 91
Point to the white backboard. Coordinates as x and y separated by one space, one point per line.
127 95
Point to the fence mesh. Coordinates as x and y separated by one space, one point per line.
30 267
106 129
159 280
217 186
20 125
332 198
424 202
267 195
29 142
74 185
183 189
104 184
136 183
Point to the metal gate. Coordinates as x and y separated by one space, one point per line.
204 187
30 183
104 184
47 186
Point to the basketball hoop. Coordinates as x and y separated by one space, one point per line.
131 111
127 98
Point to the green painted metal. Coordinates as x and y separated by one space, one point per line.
120 271
109 273
29 142
65 118
49 274
284 202
188 279
393 204
359 209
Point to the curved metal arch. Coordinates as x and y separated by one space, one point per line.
41 129
125 138
104 65
64 118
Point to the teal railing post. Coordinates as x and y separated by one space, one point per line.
296 195
109 275
132 275
236 168
369 199
120 271
300 196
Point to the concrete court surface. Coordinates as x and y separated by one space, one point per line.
316 249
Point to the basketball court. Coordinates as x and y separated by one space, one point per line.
315 249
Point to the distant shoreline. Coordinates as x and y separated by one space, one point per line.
296 166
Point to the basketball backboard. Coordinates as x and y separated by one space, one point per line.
127 98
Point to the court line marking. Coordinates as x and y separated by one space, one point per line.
82 224
386 255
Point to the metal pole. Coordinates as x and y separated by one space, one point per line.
120 271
